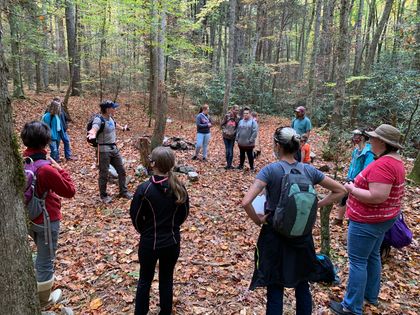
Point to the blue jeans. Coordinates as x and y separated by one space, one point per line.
303 299
66 140
229 144
363 244
44 263
55 149
203 140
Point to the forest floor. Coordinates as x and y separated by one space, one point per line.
97 265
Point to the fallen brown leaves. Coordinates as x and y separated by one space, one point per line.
97 265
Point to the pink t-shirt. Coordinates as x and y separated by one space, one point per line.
385 170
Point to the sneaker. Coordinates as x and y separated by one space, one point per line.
204 159
239 167
55 296
338 222
106 199
339 309
72 158
126 195
228 167
194 157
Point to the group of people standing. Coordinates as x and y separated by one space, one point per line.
242 129
161 205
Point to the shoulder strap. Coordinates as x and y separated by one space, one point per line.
38 164
102 127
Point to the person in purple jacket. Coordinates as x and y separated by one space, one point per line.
203 122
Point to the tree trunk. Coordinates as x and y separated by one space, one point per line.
19 292
45 45
375 39
229 68
340 89
325 230
15 54
359 47
314 55
70 12
415 172
417 45
162 105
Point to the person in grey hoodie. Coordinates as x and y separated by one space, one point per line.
245 137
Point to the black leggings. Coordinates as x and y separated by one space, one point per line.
167 257
250 155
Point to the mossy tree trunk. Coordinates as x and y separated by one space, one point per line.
325 230
415 172
18 293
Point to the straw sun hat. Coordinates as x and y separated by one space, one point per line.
387 134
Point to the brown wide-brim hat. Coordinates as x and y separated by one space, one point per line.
388 134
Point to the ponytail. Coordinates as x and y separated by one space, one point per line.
177 188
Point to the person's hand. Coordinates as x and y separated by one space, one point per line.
54 163
209 125
125 128
349 186
263 218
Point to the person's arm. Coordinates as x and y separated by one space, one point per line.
249 197
121 127
96 125
376 194
254 131
302 155
58 180
337 191
199 123
308 127
135 207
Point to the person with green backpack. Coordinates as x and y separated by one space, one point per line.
285 255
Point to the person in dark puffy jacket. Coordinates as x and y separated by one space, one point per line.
159 207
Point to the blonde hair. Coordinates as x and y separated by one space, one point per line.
54 108
164 160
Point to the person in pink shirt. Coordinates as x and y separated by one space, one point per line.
372 207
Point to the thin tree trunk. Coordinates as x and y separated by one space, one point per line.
314 56
230 65
15 56
45 45
19 292
359 47
70 12
375 39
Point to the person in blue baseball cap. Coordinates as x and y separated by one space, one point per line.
104 130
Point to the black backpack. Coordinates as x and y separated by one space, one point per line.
94 142
295 214
324 271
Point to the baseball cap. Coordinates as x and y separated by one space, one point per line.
109 104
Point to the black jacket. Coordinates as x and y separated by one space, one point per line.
156 216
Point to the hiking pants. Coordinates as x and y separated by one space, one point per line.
44 263
114 158
55 149
66 141
229 144
249 154
303 299
148 258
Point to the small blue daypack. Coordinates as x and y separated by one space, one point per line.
295 214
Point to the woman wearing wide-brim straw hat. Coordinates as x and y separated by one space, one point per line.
373 206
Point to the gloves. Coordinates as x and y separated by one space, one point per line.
125 128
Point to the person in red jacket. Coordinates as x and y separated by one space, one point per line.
53 178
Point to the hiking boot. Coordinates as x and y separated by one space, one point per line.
194 157
45 295
106 199
126 195
338 222
239 167
339 309
72 158
204 159
228 167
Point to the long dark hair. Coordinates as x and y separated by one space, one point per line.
164 160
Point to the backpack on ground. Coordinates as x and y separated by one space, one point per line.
94 142
295 214
324 271
34 204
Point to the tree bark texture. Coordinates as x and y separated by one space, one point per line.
19 292
230 65
15 57
70 12
375 39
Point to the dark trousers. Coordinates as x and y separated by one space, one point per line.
249 154
113 158
167 257
303 299
229 144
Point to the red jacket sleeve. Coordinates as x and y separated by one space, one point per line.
59 182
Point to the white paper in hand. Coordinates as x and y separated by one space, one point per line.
258 204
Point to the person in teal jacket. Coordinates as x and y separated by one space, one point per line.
361 157
52 119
